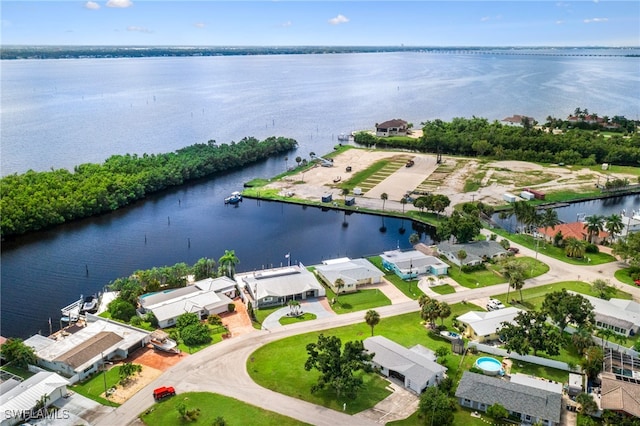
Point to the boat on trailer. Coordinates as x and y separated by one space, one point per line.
161 342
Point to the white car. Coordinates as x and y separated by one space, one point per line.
494 305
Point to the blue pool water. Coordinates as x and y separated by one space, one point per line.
488 365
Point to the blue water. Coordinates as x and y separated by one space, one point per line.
60 113
489 364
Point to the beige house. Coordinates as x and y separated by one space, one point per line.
394 127
484 326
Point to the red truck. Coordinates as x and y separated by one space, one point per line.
163 392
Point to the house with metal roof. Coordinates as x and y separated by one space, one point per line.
619 315
273 287
205 297
484 326
477 252
19 398
411 263
529 403
415 368
79 354
353 272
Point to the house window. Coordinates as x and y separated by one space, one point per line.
527 418
467 401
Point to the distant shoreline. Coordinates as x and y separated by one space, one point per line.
14 52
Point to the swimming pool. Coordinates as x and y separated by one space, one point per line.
489 366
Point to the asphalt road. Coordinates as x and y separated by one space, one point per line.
221 368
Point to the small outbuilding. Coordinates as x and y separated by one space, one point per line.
349 201
327 198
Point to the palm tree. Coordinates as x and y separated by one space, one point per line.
228 263
582 339
461 255
574 247
549 219
605 334
445 311
384 197
514 271
345 192
430 311
423 299
613 224
339 284
372 318
594 225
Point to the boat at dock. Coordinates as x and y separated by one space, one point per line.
71 313
90 304
234 198
161 342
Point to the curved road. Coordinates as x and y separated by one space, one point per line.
221 367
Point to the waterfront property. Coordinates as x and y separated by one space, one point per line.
353 272
395 127
484 326
477 252
577 230
21 397
273 287
411 263
79 350
619 315
415 368
530 400
205 297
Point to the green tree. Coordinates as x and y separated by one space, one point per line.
594 225
629 249
345 192
435 407
403 202
228 263
444 311
121 309
614 226
529 331
497 412
602 288
461 255
339 285
384 197
187 319
514 271
372 318
15 352
549 219
574 247
430 311
204 268
463 226
195 334
338 366
591 363
127 370
582 339
567 308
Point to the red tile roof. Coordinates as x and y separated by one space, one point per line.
576 230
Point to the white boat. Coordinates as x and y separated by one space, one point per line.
71 313
161 342
89 304
235 198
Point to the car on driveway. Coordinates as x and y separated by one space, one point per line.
494 305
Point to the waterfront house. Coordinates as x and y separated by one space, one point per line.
79 351
518 120
20 397
411 263
205 297
354 273
620 315
524 400
484 326
477 252
275 287
395 127
415 368
577 230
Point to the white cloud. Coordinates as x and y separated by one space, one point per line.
559 22
91 5
139 29
588 21
340 19
199 25
286 24
119 3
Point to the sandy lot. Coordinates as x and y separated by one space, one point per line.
492 179
146 376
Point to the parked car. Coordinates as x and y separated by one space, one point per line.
514 250
164 392
494 305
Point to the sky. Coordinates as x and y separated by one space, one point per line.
321 23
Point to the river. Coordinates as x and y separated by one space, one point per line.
59 113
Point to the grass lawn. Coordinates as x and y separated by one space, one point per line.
280 365
293 320
492 275
560 376
555 252
211 407
94 387
443 289
215 332
17 371
358 301
408 288
624 276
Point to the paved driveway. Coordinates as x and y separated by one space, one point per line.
312 306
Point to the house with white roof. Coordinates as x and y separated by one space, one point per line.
273 287
18 398
205 297
416 368
484 326
619 315
353 272
529 401
79 353
411 263
477 252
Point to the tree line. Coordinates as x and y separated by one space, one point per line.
38 200
480 137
